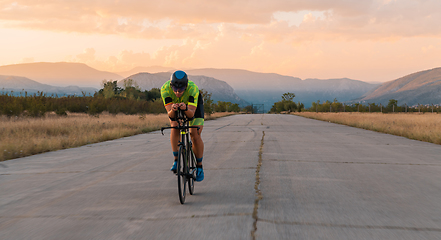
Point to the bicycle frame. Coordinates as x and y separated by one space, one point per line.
185 148
183 127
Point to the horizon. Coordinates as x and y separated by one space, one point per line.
184 69
189 69
371 41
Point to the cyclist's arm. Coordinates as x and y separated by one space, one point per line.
171 110
191 111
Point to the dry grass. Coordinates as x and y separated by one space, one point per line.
424 127
20 137
218 115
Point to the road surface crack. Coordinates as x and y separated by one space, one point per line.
222 127
257 189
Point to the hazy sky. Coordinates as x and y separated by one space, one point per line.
369 40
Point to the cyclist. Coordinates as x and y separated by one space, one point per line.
180 93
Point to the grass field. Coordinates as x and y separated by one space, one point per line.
20 137
424 127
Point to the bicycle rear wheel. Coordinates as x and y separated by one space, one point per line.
192 171
181 172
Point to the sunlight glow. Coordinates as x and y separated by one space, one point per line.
367 40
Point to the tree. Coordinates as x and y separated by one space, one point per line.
277 107
131 89
300 106
110 89
153 94
288 96
222 106
208 102
287 104
392 103
249 109
234 107
130 83
336 106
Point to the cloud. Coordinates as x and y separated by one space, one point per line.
87 56
135 59
125 60
173 19
289 37
365 60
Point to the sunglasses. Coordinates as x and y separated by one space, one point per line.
181 89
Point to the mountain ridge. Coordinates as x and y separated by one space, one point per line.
423 87
150 69
254 87
19 84
241 79
59 73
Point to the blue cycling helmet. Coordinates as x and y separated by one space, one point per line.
179 79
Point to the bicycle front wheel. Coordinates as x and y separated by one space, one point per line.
192 171
181 173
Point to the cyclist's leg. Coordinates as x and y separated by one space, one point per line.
198 148
174 136
198 144
174 139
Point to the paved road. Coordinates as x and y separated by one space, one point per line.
266 177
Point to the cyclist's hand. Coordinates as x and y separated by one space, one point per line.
182 106
175 107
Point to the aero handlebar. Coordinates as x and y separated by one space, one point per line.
182 124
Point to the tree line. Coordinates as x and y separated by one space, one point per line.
391 107
288 105
38 104
128 99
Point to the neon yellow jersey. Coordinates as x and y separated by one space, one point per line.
190 96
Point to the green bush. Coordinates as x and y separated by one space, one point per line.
285 105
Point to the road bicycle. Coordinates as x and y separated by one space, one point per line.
186 165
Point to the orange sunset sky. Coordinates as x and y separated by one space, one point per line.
368 40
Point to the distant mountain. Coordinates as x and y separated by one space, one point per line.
151 69
247 80
21 85
343 89
60 74
421 87
233 85
267 88
220 90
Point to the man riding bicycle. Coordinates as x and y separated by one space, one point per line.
180 93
